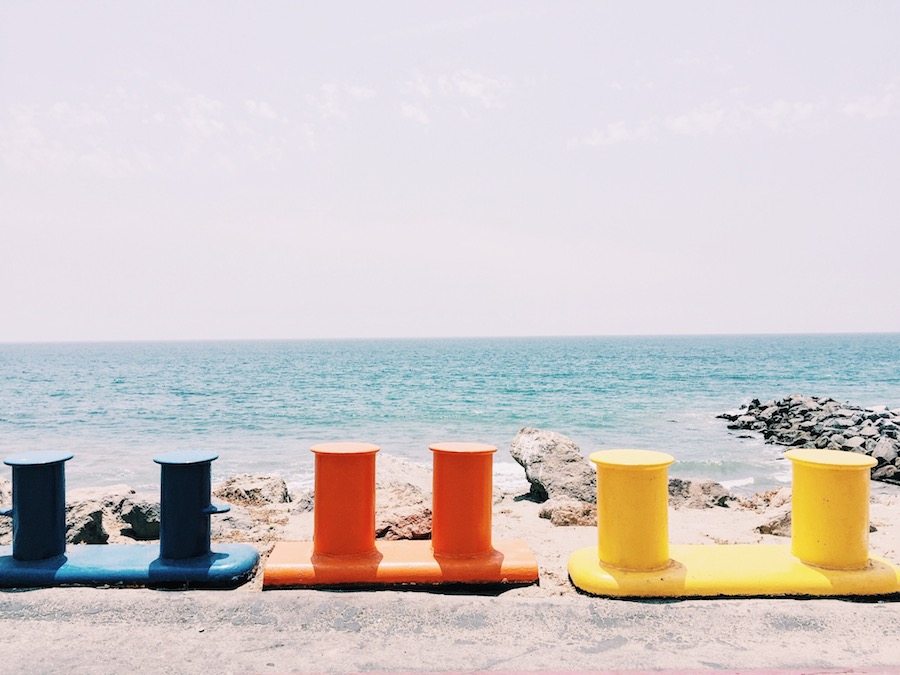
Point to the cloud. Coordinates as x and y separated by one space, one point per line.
24 146
202 116
472 85
261 108
462 90
872 107
333 99
784 115
415 113
710 63
77 116
702 121
359 93
616 133
712 119
156 128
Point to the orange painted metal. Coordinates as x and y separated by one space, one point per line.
344 551
463 494
344 513
292 564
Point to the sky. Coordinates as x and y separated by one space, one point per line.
209 170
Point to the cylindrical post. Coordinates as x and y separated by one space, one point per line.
344 508
184 505
463 495
39 504
830 508
632 508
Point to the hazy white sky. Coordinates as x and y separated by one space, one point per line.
276 170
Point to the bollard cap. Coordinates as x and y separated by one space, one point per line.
832 459
186 457
345 448
463 448
631 459
38 458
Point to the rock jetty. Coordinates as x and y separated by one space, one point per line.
816 422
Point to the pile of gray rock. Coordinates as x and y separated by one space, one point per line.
565 482
815 422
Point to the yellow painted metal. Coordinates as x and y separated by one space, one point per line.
731 570
830 508
632 508
828 557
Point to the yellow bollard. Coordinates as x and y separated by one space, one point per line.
828 555
632 508
830 508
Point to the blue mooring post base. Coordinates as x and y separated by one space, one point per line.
227 566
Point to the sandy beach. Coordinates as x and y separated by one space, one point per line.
549 626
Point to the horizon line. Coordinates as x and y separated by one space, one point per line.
410 338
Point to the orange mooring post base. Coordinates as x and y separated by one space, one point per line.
292 564
344 551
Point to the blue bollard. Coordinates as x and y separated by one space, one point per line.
183 559
184 506
39 504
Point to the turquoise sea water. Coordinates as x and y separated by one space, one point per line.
262 404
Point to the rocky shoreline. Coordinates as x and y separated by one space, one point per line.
818 422
563 482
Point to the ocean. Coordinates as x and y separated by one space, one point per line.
261 404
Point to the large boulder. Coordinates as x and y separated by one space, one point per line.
693 494
260 508
770 499
256 524
5 493
94 515
778 525
141 516
5 503
885 450
554 466
403 511
84 523
249 489
564 512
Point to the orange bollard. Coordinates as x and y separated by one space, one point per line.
344 513
463 485
345 553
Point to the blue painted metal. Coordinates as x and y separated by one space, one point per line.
38 555
39 504
229 566
184 505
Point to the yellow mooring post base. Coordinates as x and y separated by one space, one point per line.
710 570
294 564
